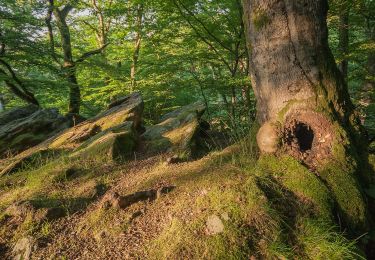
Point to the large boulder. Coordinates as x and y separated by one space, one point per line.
178 132
17 113
129 108
28 128
112 145
112 134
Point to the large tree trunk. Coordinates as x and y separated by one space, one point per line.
69 65
302 100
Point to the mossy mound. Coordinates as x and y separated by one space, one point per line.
219 209
227 205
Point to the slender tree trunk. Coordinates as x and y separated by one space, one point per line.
302 100
344 39
69 65
137 46
368 89
371 59
233 104
2 103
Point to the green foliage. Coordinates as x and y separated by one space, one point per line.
189 50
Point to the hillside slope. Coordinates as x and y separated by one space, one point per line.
225 205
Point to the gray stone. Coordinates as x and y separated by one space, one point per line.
111 127
214 225
17 113
22 133
114 144
129 110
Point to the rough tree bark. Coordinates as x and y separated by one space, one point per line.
303 104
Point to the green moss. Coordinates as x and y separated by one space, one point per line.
158 145
260 19
347 194
298 179
109 147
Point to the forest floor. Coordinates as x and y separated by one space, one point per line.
226 205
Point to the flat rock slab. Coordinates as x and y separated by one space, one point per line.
129 109
100 132
17 113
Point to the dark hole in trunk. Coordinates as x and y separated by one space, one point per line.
305 136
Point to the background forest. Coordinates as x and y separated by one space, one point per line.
174 52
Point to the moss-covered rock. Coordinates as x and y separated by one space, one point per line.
17 113
178 131
114 144
129 109
28 129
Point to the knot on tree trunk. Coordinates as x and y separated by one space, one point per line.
306 135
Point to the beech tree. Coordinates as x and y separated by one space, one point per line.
68 64
303 104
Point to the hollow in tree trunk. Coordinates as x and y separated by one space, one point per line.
303 104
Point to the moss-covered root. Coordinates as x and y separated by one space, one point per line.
334 191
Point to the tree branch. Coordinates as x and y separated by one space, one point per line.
202 37
91 53
90 26
205 28
65 11
20 92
